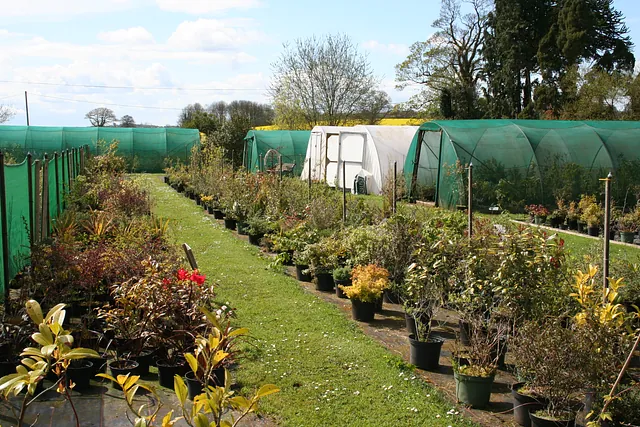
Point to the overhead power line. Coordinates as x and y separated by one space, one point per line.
131 87
106 103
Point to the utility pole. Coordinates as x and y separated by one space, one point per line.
26 106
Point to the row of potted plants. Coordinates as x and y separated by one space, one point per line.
587 216
503 281
130 304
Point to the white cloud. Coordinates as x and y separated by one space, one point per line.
390 48
214 34
134 35
201 7
61 8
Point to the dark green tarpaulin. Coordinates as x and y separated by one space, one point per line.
527 146
291 145
144 148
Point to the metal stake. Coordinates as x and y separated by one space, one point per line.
395 184
5 232
344 194
309 180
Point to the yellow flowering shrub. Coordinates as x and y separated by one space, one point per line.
368 283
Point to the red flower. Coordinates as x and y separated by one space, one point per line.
197 278
182 274
166 281
561 242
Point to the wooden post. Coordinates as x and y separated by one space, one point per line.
344 194
30 184
69 169
64 174
38 213
395 185
309 180
189 253
45 198
607 225
5 232
470 200
280 164
55 164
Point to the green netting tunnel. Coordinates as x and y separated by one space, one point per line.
541 151
291 145
145 148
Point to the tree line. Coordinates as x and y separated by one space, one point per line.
552 59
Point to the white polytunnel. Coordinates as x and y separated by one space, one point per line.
365 151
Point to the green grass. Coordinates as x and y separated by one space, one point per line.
330 373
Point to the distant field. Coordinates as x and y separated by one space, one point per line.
383 122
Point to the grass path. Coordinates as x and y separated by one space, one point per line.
329 372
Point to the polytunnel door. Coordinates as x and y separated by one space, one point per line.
351 155
331 159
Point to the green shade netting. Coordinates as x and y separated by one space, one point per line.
17 193
292 146
525 147
144 148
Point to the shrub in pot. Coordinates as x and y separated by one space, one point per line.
592 214
323 258
368 284
342 277
258 226
538 212
628 227
301 261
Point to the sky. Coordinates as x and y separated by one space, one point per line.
158 56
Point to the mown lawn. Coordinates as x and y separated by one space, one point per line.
329 372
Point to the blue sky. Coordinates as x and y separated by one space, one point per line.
194 45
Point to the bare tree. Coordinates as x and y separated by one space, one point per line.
325 79
6 113
101 117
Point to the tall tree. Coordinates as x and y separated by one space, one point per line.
324 78
187 114
101 116
127 121
451 59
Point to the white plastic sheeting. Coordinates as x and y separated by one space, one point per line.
373 149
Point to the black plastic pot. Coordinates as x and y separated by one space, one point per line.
218 214
194 386
165 179
301 275
324 282
144 359
581 227
122 367
209 210
572 224
229 224
379 305
545 422
555 222
523 405
363 311
8 366
339 292
79 372
99 365
254 239
593 231
167 371
425 354
243 228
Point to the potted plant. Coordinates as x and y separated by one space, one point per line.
591 214
301 261
258 226
322 260
538 212
573 215
474 379
423 296
368 284
558 217
341 277
628 227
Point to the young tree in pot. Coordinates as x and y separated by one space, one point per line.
258 226
592 214
573 215
558 217
368 284
301 260
323 258
423 296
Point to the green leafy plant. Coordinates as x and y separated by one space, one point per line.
54 353
342 274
